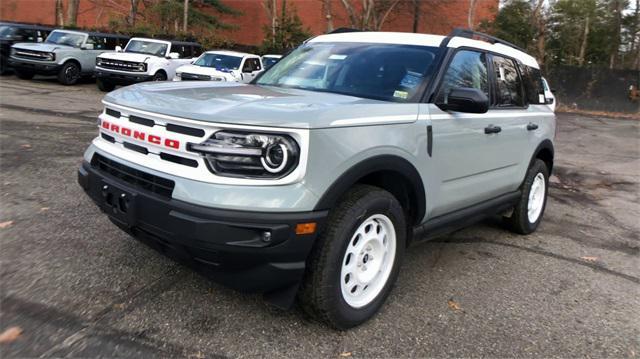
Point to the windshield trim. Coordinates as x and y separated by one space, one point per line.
166 52
84 37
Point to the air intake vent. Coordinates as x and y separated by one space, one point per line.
134 177
113 113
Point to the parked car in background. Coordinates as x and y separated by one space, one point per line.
142 60
222 66
11 33
270 60
69 55
549 96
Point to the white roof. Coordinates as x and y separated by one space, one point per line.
230 53
408 38
272 56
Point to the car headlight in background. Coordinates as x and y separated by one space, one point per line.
249 154
50 56
98 61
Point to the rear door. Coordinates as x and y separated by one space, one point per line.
470 154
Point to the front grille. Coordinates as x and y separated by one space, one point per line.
195 77
120 65
31 55
132 176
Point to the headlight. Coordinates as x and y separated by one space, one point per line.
142 67
249 155
50 56
98 61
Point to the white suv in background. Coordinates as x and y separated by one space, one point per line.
143 60
222 66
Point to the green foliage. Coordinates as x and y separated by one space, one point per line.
513 24
288 33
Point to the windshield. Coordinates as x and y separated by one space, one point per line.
269 61
147 47
7 31
219 61
379 71
65 38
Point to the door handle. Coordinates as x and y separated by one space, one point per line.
492 129
532 126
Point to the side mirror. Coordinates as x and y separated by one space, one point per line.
468 100
118 48
87 47
40 39
173 55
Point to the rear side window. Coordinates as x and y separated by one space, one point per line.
468 69
508 83
197 51
533 85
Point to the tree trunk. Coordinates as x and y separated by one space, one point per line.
472 14
416 15
540 25
59 13
185 16
133 13
585 38
329 17
617 13
72 12
353 19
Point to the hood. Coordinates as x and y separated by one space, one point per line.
40 46
236 103
125 56
203 70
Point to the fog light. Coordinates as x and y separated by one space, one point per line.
266 236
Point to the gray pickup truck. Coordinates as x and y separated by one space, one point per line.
312 181
68 55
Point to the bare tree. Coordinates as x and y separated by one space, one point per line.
185 16
585 37
372 15
616 7
326 4
59 13
271 6
416 14
471 16
540 23
72 12
133 13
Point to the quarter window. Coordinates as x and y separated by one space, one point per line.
533 84
508 83
468 69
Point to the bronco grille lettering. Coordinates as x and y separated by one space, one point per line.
139 135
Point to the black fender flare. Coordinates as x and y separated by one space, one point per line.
369 166
545 145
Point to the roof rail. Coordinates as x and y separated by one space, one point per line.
341 30
470 34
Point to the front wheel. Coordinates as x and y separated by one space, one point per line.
105 85
69 74
159 76
356 259
527 214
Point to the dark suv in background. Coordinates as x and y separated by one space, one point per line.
11 33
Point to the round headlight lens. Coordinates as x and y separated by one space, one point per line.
275 157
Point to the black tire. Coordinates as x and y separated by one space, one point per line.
69 74
321 294
519 221
159 76
105 85
24 74
3 68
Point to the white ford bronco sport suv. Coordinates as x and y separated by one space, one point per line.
221 66
143 60
312 181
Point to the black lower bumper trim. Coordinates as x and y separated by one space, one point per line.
232 246
40 69
122 79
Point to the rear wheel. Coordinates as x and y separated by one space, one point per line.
527 214
24 74
356 259
105 85
69 74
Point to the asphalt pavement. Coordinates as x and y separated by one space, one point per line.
76 286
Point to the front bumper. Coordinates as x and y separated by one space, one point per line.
227 245
119 78
41 68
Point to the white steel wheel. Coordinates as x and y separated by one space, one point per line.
368 261
536 198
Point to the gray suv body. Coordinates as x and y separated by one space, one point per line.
67 54
313 180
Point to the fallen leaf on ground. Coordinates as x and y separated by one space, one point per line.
345 354
25 146
5 224
198 355
10 335
589 259
453 305
44 209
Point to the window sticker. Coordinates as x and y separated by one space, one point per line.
411 80
337 57
541 98
401 94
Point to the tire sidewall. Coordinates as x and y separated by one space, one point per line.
62 76
344 314
537 167
159 76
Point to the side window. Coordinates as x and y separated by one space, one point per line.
99 43
467 69
533 85
248 66
197 51
508 83
186 52
256 65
